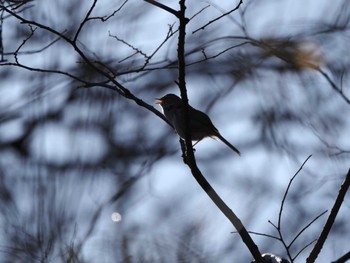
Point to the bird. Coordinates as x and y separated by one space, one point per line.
200 124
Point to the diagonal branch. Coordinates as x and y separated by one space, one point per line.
343 258
330 221
84 21
287 190
164 7
218 18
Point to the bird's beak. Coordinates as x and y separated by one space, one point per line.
158 101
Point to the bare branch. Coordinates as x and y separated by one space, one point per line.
343 259
330 221
200 11
287 190
118 86
137 50
105 18
262 234
30 52
187 147
47 71
206 57
306 227
32 31
305 247
278 226
85 20
218 18
334 86
164 7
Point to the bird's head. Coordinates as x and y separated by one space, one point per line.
169 101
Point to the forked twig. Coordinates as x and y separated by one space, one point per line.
287 190
219 17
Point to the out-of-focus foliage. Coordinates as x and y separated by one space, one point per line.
274 77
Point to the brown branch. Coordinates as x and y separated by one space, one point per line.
330 221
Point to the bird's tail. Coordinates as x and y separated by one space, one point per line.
228 144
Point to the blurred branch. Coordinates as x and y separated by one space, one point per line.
16 4
334 86
206 57
330 221
1 40
30 52
123 188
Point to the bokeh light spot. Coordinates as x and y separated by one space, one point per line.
116 217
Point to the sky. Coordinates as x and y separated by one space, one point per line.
84 143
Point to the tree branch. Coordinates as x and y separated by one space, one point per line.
216 19
164 7
343 259
330 221
189 155
118 87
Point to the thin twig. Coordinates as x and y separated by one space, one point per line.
30 52
307 226
334 86
305 247
32 31
261 234
105 18
85 20
200 11
110 77
216 19
278 226
287 190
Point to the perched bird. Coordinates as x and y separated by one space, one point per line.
200 124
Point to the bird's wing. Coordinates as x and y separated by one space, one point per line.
204 120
